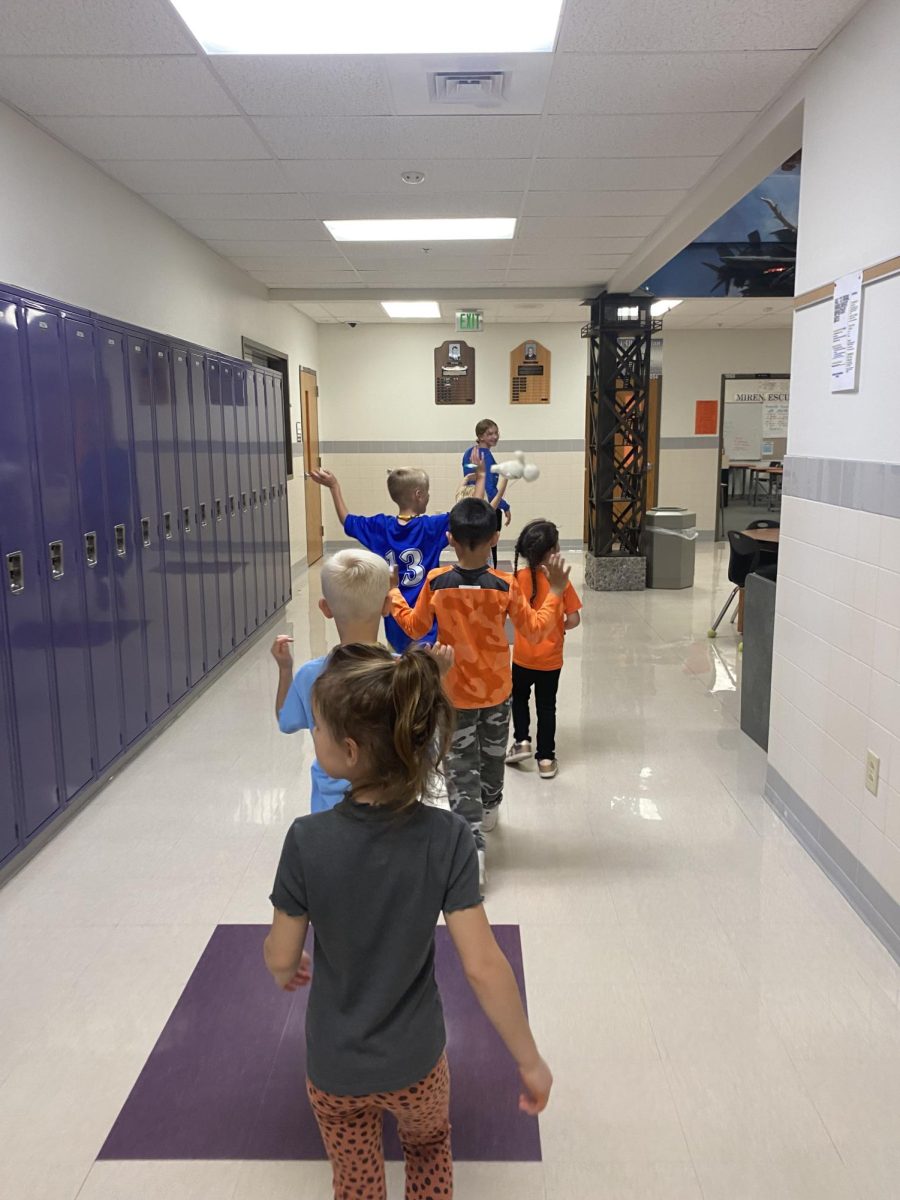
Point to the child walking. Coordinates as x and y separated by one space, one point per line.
539 665
371 876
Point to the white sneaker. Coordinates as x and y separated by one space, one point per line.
489 818
482 870
518 752
548 768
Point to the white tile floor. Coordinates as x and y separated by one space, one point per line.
721 1024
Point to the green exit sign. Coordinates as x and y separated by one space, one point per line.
470 321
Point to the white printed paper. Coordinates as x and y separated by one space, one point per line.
845 332
775 415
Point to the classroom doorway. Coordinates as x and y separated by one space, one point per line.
309 416
753 417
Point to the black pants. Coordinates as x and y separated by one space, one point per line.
499 527
545 684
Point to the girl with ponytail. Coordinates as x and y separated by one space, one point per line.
372 876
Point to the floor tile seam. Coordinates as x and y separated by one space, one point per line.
667 1065
795 1060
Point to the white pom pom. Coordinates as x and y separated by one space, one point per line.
531 473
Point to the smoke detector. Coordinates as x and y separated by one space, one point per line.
467 87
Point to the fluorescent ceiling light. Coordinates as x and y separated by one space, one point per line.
425 229
361 27
420 310
660 307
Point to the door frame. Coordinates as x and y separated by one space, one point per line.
315 544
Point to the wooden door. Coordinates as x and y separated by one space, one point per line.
309 413
653 400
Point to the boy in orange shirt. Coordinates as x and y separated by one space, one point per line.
471 602
539 666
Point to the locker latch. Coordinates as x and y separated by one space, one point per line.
57 569
231 505
90 549
145 530
167 525
120 541
243 501
187 520
15 571
253 498
218 510
203 520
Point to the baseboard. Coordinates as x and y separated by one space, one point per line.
863 892
299 569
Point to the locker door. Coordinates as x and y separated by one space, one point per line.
9 817
61 545
218 398
283 493
276 454
28 629
210 530
234 407
259 524
149 531
94 547
246 423
266 431
190 530
171 516
123 528
203 471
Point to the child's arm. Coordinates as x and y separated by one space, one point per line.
502 485
476 458
282 655
415 622
573 620
491 979
534 624
328 479
283 951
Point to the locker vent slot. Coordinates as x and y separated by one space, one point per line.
253 498
145 530
243 501
120 541
218 510
57 567
15 571
167 526
203 520
187 520
231 505
90 549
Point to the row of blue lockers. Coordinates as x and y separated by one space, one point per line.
143 537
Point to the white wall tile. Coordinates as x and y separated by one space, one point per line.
890 543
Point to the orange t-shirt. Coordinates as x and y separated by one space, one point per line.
471 606
548 654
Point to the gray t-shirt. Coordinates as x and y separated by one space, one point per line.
373 885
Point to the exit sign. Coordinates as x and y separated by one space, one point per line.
470 321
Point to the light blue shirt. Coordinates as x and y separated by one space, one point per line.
297 713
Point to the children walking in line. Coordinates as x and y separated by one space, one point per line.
471 602
372 876
411 541
539 665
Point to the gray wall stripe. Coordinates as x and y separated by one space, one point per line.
689 443
871 487
861 889
547 445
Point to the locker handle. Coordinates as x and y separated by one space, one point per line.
253 498
90 549
243 501
120 541
262 495
167 525
203 520
231 505
187 520
15 569
145 530
218 510
57 567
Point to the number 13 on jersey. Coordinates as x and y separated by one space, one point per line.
412 571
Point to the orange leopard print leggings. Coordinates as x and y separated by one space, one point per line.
351 1130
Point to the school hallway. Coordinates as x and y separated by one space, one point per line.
721 1025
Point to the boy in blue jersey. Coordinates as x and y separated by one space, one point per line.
355 587
411 541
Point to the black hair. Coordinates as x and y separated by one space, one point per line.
473 523
538 539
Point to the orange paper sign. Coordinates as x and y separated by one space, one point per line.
706 417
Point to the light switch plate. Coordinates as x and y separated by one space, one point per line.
873 767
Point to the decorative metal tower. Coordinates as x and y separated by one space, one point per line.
619 337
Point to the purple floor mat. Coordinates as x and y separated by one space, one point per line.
226 1079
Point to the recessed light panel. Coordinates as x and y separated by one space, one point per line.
425 229
361 27
420 310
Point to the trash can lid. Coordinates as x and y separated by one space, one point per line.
671 518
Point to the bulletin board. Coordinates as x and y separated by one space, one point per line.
754 416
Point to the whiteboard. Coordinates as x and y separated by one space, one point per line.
754 410
742 432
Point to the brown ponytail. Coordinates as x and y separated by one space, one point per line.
396 710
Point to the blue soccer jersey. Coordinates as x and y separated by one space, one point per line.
414 547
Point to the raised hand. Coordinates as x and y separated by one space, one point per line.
323 478
558 572
443 656
281 651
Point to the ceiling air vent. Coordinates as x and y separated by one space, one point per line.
472 87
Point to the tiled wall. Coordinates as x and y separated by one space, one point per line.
836 672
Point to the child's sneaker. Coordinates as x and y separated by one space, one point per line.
518 752
548 768
482 871
490 817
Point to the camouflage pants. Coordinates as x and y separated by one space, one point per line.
476 763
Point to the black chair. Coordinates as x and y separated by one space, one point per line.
745 556
765 523
768 555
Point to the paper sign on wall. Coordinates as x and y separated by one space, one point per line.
775 415
706 417
845 332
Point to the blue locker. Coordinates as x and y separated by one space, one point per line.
266 424
61 545
259 524
203 471
95 546
149 531
276 454
190 530
246 409
28 630
122 528
214 575
9 816
282 492
232 407
171 515
220 390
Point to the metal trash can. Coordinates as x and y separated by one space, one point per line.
670 537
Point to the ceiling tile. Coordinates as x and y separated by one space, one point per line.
305 85
642 135
575 247
524 90
631 228
397 137
122 87
94 27
543 261
291 258
211 206
700 25
110 138
199 178
263 231
382 176
601 204
433 262
618 174
416 203
671 83
413 250
302 277
287 251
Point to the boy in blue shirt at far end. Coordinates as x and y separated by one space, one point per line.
410 542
